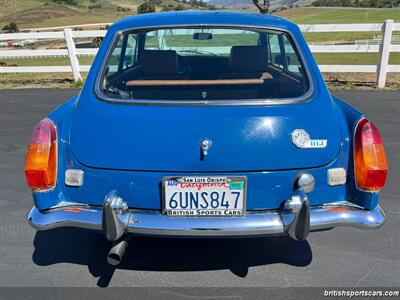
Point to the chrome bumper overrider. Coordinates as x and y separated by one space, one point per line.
153 222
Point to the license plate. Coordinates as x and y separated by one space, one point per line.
204 196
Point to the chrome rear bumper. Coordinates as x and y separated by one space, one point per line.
254 223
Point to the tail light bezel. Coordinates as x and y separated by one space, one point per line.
358 187
53 143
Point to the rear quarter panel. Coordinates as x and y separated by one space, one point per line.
350 117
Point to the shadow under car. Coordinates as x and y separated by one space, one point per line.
90 248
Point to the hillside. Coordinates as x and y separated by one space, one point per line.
45 13
275 4
232 3
40 13
336 15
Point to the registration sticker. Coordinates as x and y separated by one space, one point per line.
239 185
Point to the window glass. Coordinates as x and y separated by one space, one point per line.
292 59
204 64
274 49
114 59
130 55
124 54
207 41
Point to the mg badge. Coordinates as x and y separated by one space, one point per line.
301 139
205 146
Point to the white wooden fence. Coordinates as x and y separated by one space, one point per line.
384 49
72 52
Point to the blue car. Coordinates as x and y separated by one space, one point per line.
205 124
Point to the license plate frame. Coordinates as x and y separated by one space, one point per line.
232 178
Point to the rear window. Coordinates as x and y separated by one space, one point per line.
204 64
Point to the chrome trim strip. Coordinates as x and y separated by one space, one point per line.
152 222
241 102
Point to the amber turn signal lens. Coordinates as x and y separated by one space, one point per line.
41 159
370 164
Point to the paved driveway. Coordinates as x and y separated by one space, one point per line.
67 257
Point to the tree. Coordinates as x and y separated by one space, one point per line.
179 7
262 5
146 7
10 28
68 2
96 42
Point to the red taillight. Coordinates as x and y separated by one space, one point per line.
41 159
370 163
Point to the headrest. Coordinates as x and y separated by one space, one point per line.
159 62
248 58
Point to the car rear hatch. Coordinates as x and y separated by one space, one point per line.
166 138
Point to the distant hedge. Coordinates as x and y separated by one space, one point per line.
68 2
146 7
10 28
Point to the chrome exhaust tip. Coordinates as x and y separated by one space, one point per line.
117 252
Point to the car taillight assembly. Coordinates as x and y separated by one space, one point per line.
41 159
370 164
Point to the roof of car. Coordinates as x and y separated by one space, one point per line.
203 17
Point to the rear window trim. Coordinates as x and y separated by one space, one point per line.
238 102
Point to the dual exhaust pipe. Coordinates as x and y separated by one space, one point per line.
117 251
116 217
115 220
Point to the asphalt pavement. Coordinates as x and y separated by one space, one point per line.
342 257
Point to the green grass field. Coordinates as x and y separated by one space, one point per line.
311 15
354 58
340 15
339 36
48 61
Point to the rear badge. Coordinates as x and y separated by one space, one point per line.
301 139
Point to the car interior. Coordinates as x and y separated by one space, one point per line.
248 72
